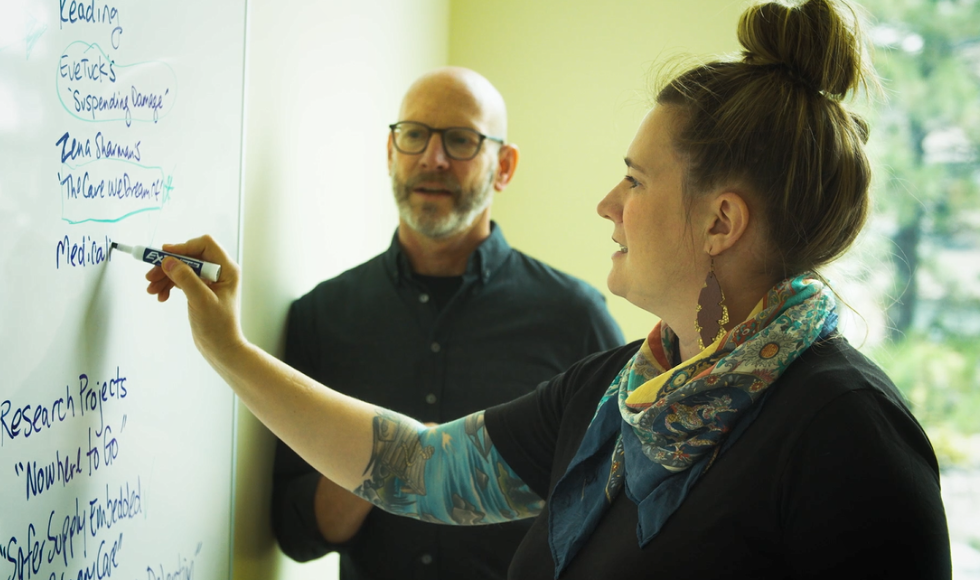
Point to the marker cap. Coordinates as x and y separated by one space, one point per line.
210 271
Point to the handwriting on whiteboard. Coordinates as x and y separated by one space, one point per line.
94 87
20 420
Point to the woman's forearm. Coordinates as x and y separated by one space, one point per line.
448 473
331 431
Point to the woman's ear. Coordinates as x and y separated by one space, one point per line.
726 219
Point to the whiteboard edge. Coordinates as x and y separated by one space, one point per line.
238 257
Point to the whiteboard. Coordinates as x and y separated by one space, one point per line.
119 120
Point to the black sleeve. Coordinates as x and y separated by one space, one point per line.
294 481
864 510
524 431
527 431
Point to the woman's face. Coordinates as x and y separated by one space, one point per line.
656 265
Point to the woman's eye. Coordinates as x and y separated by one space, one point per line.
632 181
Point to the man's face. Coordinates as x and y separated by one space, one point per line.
438 196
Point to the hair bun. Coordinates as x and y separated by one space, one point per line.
815 44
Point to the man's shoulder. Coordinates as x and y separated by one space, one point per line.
567 302
547 278
354 281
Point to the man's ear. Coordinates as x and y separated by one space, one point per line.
506 165
390 153
726 218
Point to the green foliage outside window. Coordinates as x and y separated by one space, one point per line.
925 147
939 379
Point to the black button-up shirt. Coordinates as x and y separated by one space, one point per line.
376 333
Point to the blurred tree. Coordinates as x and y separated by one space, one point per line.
926 139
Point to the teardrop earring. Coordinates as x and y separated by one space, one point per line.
712 313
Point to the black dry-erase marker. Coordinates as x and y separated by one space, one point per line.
205 270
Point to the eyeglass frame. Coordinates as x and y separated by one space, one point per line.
479 146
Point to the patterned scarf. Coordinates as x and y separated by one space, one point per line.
659 427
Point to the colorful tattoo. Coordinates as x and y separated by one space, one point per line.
449 474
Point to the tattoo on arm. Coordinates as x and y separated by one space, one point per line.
449 474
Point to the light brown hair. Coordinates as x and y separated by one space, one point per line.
773 124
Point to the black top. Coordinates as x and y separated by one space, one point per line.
834 479
440 289
375 333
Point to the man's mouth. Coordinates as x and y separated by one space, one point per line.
623 248
432 190
442 185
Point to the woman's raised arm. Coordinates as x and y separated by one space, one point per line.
449 473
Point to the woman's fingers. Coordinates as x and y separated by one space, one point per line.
212 307
203 248
186 279
159 284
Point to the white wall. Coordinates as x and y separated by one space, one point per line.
324 80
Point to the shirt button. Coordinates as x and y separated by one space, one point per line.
423 298
430 399
435 347
426 558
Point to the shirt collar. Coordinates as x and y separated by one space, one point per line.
482 264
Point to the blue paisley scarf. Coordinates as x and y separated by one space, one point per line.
659 427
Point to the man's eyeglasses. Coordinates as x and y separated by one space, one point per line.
459 143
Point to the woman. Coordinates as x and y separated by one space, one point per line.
744 437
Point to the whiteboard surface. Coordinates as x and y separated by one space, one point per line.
119 120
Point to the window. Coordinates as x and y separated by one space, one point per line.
920 255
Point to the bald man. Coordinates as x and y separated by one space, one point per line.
448 321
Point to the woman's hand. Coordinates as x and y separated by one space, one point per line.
213 307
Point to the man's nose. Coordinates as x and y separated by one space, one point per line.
434 155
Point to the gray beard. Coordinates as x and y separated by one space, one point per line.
426 219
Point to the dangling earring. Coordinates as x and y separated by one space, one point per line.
712 314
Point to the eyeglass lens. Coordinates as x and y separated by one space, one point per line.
459 143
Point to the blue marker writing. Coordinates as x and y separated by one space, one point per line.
205 270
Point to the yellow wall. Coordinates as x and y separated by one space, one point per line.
575 75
